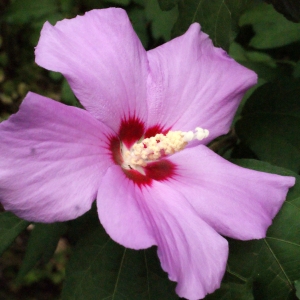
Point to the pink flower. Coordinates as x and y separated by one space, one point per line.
169 190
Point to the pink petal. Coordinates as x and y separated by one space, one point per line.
193 84
137 217
52 158
103 60
120 211
190 251
236 202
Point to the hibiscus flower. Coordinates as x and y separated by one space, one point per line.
139 147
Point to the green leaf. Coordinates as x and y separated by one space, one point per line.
23 11
41 245
271 28
141 3
218 18
266 167
66 5
67 95
167 4
78 228
56 76
281 96
161 21
289 8
262 63
139 23
232 291
10 227
272 137
101 269
273 263
297 286
296 72
119 2
270 123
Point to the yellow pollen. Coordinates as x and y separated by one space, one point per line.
153 148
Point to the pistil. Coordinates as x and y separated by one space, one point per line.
153 148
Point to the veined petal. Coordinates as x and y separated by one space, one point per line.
52 158
103 60
193 84
236 202
137 217
190 251
120 209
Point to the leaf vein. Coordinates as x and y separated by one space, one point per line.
196 11
280 266
281 240
119 273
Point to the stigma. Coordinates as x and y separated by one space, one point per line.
161 145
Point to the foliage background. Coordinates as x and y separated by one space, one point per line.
76 259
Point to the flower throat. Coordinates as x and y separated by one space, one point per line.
143 154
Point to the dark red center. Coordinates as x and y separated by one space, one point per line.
131 130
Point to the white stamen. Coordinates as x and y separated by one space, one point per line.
153 148
201 133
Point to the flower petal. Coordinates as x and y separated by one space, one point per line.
236 202
103 60
52 158
137 217
193 84
190 251
120 210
